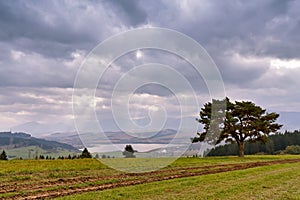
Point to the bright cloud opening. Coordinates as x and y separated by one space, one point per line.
289 64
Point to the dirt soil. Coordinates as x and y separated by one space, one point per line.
67 186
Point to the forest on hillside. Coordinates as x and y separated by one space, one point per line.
276 144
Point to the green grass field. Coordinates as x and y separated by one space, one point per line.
80 178
280 181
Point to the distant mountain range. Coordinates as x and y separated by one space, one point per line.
39 129
118 137
71 138
9 140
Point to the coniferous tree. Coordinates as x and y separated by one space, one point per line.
235 122
3 155
85 154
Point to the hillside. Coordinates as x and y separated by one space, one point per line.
9 140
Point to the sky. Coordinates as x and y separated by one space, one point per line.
254 44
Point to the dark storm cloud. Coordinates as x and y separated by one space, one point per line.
51 32
33 70
56 28
42 44
26 27
129 61
249 27
130 11
240 72
53 29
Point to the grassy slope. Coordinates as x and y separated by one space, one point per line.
279 181
35 166
23 152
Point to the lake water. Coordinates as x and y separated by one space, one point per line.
120 147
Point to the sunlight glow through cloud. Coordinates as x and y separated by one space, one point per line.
138 54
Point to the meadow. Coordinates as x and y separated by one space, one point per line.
33 151
252 177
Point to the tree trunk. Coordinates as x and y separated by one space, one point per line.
241 146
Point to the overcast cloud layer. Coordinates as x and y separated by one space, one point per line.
255 45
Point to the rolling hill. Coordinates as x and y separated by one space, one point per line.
9 140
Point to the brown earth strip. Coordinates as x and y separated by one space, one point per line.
68 186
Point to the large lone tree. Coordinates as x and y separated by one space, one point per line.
235 122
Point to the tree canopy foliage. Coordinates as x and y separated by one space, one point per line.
235 122
294 149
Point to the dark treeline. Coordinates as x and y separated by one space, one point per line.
85 154
276 144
